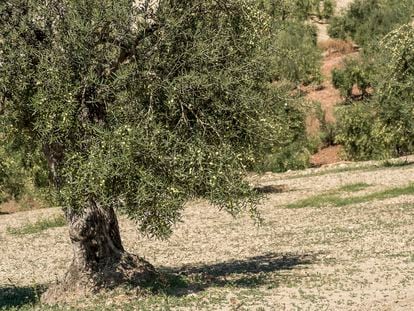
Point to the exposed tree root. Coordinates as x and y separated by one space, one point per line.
129 270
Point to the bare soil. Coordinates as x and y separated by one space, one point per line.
326 94
342 4
357 257
326 156
26 204
328 97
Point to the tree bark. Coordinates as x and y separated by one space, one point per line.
99 261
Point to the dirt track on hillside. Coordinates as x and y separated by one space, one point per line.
327 95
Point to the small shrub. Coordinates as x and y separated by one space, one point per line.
327 130
343 82
296 57
355 132
293 157
314 143
328 134
370 130
328 9
11 177
354 73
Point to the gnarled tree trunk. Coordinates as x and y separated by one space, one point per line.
99 261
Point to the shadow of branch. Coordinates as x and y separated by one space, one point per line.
14 296
248 273
181 281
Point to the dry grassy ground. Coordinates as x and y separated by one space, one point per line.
354 257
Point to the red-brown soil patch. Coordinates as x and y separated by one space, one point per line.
327 95
327 155
335 52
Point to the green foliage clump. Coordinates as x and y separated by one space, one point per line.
294 59
395 103
355 73
366 21
293 47
142 111
21 178
354 132
294 156
327 130
383 127
295 56
11 177
328 9
298 9
292 152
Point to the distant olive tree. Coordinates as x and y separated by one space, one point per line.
367 21
383 127
298 9
137 108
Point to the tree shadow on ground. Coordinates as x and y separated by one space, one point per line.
252 272
247 273
269 189
14 296
397 164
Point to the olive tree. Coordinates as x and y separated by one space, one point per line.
383 127
135 108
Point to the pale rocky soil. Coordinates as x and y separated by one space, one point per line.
342 4
358 257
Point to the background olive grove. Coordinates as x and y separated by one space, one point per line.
378 124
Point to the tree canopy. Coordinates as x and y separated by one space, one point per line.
140 109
